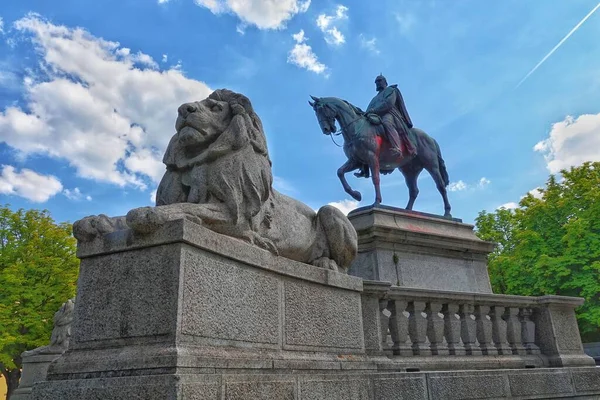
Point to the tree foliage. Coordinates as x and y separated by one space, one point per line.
550 244
38 272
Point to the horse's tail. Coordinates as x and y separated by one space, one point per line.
443 169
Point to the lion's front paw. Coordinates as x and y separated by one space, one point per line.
89 228
145 219
260 241
325 263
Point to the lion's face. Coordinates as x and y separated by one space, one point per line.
201 121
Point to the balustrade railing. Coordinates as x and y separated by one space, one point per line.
415 322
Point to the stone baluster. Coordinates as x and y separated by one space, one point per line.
452 330
513 330
384 315
399 328
417 328
484 330
468 330
435 329
528 331
499 331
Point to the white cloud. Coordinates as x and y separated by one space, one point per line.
327 24
153 196
107 111
369 44
163 1
508 206
457 186
165 58
345 206
75 194
536 193
571 142
264 14
28 184
405 22
1 26
461 185
303 56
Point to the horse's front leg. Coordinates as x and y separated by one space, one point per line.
348 166
374 165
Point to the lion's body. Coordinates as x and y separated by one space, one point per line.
219 173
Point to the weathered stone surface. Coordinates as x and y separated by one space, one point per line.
261 390
106 308
200 391
540 383
222 299
586 379
319 316
415 250
400 388
335 388
450 386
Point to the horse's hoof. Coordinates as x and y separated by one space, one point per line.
448 215
356 195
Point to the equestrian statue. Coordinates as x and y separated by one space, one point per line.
382 139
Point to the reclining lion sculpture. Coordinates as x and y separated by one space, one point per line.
219 175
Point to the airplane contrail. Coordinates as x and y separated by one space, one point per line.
559 44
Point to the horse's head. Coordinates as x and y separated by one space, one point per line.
325 115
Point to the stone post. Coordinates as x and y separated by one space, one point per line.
435 329
399 328
513 330
484 330
417 327
528 331
452 330
499 331
557 333
468 330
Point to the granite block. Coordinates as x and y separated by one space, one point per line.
401 388
338 388
223 299
261 390
547 382
454 386
129 294
320 316
586 379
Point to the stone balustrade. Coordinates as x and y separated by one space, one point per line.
418 322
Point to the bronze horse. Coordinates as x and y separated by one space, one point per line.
365 144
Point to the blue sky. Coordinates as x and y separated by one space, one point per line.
89 92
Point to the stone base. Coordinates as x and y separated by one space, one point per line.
572 383
35 369
416 250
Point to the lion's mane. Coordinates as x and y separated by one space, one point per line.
241 175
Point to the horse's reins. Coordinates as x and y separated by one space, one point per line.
339 131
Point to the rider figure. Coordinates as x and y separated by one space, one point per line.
388 105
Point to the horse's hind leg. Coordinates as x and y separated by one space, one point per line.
441 187
411 173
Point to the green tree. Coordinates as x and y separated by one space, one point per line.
38 272
550 244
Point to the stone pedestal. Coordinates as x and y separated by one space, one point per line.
35 369
417 250
185 300
185 313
